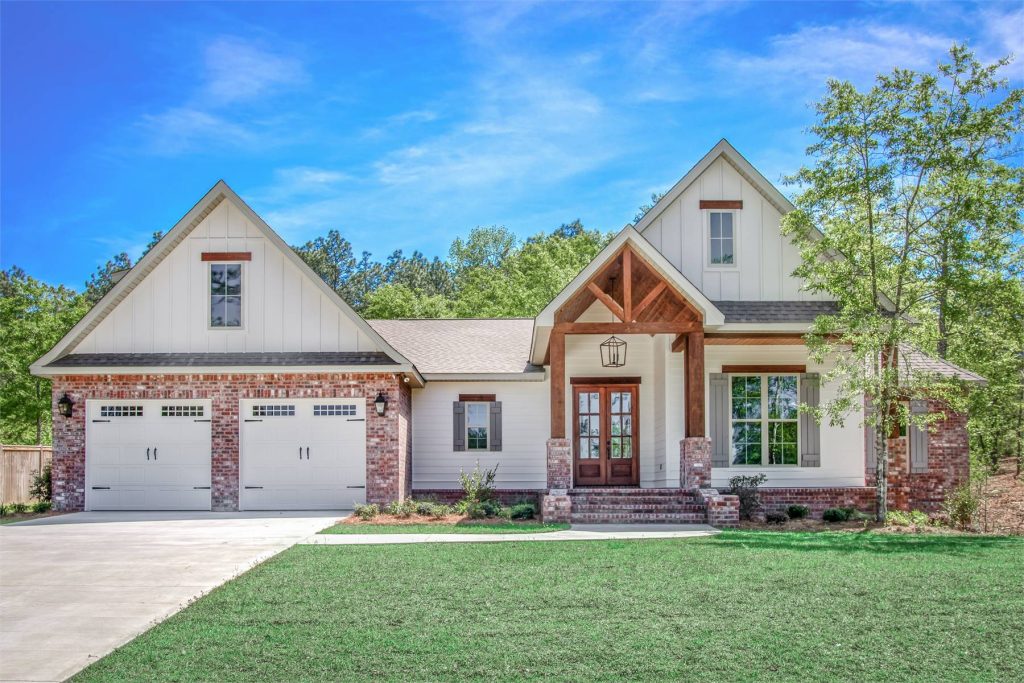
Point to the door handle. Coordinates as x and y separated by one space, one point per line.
307 452
300 452
147 454
154 452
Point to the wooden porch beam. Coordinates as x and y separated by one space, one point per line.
627 328
694 361
607 300
647 301
679 343
720 339
627 285
556 347
762 369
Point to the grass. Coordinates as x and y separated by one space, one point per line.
482 527
741 606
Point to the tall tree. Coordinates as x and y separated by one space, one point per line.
105 277
882 187
33 317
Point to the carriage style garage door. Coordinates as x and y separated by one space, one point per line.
303 454
147 455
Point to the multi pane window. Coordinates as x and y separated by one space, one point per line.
764 405
621 425
721 238
226 295
477 425
334 410
589 427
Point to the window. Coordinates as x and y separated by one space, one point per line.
764 405
120 411
273 411
721 241
226 295
477 425
181 411
334 410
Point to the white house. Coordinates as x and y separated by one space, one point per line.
221 373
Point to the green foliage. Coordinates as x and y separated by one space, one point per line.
776 518
41 506
745 488
914 518
18 508
393 301
478 485
962 506
908 183
33 317
42 484
836 515
797 511
523 510
367 511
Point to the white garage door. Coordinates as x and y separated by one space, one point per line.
147 455
303 454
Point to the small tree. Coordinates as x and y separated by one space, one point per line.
898 171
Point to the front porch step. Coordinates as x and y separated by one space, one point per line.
622 505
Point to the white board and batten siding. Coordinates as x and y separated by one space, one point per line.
764 257
842 446
282 308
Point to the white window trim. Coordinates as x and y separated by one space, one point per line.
765 421
486 426
209 296
735 239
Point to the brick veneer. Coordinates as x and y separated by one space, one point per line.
819 499
388 438
559 460
555 507
722 510
504 496
695 462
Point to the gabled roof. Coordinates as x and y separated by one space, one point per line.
725 150
917 362
775 311
218 193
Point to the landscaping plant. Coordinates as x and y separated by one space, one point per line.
797 511
744 487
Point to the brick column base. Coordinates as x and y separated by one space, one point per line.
695 462
722 510
555 507
559 464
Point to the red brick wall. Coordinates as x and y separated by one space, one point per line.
388 438
505 496
819 499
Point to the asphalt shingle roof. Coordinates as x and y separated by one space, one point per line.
918 362
774 311
89 360
462 346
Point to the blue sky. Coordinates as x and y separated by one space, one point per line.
404 125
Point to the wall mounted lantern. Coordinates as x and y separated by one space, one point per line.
613 352
381 403
64 405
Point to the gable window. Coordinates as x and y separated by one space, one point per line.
477 426
721 238
226 295
764 419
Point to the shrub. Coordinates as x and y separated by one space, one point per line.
475 510
478 486
776 518
797 511
918 518
42 484
368 511
3 509
425 507
745 488
897 518
836 515
18 508
41 506
506 514
853 514
491 508
523 510
961 506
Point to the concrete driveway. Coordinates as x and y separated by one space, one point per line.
74 587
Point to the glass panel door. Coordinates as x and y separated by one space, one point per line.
604 435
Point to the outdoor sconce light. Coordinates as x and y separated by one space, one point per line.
381 403
613 352
64 405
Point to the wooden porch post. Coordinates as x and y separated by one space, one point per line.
556 346
694 360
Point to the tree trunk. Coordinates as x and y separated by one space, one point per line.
1020 430
881 475
943 301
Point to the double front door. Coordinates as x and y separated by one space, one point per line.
605 435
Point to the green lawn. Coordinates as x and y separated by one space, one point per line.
741 606
488 527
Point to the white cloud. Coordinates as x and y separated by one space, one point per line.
237 70
183 129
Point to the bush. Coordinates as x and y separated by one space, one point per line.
18 508
836 515
367 512
855 515
42 484
3 509
745 488
425 507
41 506
478 486
776 518
505 514
897 518
797 511
961 506
523 510
918 518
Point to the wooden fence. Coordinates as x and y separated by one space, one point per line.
17 465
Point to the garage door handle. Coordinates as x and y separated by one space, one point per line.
206 420
356 419
250 420
300 452
100 488
207 488
307 452
101 420
248 487
355 487
154 453
147 454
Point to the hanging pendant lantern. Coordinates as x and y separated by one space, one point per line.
613 352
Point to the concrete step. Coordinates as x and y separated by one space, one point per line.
624 517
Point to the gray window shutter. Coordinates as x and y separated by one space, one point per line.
918 440
495 425
810 430
459 426
718 406
870 447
